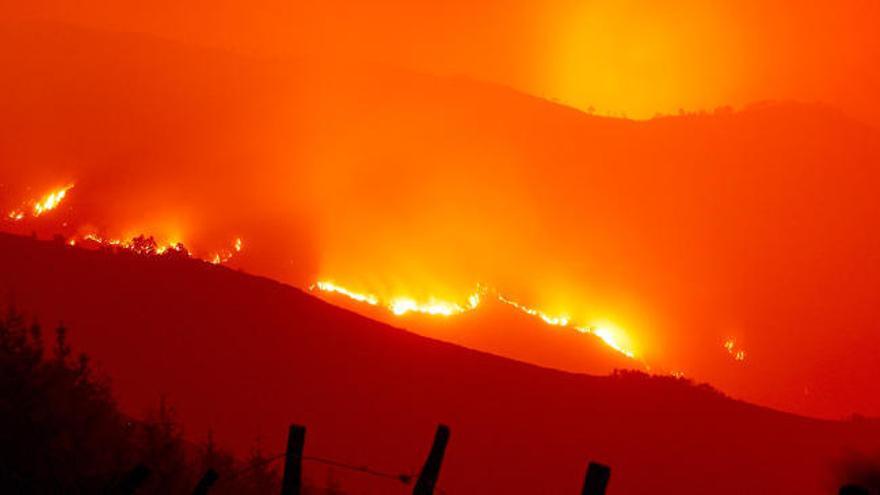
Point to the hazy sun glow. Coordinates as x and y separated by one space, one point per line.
640 59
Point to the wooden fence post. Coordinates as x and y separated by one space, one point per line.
596 480
206 482
431 470
133 479
291 484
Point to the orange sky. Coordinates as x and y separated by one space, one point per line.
331 137
633 57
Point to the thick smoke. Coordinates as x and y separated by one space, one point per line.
682 231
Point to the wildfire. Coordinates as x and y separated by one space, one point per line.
402 305
38 207
333 288
224 256
560 321
140 244
148 246
738 354
611 336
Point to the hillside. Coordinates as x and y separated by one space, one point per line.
503 330
244 356
758 224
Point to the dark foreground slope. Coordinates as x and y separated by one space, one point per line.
245 356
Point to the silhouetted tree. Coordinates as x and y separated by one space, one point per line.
260 473
61 430
178 251
144 245
161 447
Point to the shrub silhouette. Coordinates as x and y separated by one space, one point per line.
61 430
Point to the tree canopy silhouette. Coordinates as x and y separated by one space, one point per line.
62 432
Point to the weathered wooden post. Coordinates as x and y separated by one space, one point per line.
852 490
597 479
431 470
133 480
206 482
291 484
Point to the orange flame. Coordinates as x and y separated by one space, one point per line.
738 354
403 305
224 256
611 336
148 246
45 204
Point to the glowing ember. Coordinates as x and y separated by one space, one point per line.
612 337
45 204
737 353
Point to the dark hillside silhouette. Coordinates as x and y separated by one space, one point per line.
243 357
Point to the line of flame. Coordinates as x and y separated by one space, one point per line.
45 204
128 244
402 305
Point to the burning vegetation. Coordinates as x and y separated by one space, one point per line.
736 352
401 305
141 244
40 206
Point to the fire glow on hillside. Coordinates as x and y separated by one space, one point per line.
38 207
398 305
148 246
401 305
142 244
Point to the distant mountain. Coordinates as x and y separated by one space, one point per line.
244 356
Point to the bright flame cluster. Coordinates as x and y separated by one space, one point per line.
226 255
140 244
559 321
738 354
148 246
403 305
40 206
